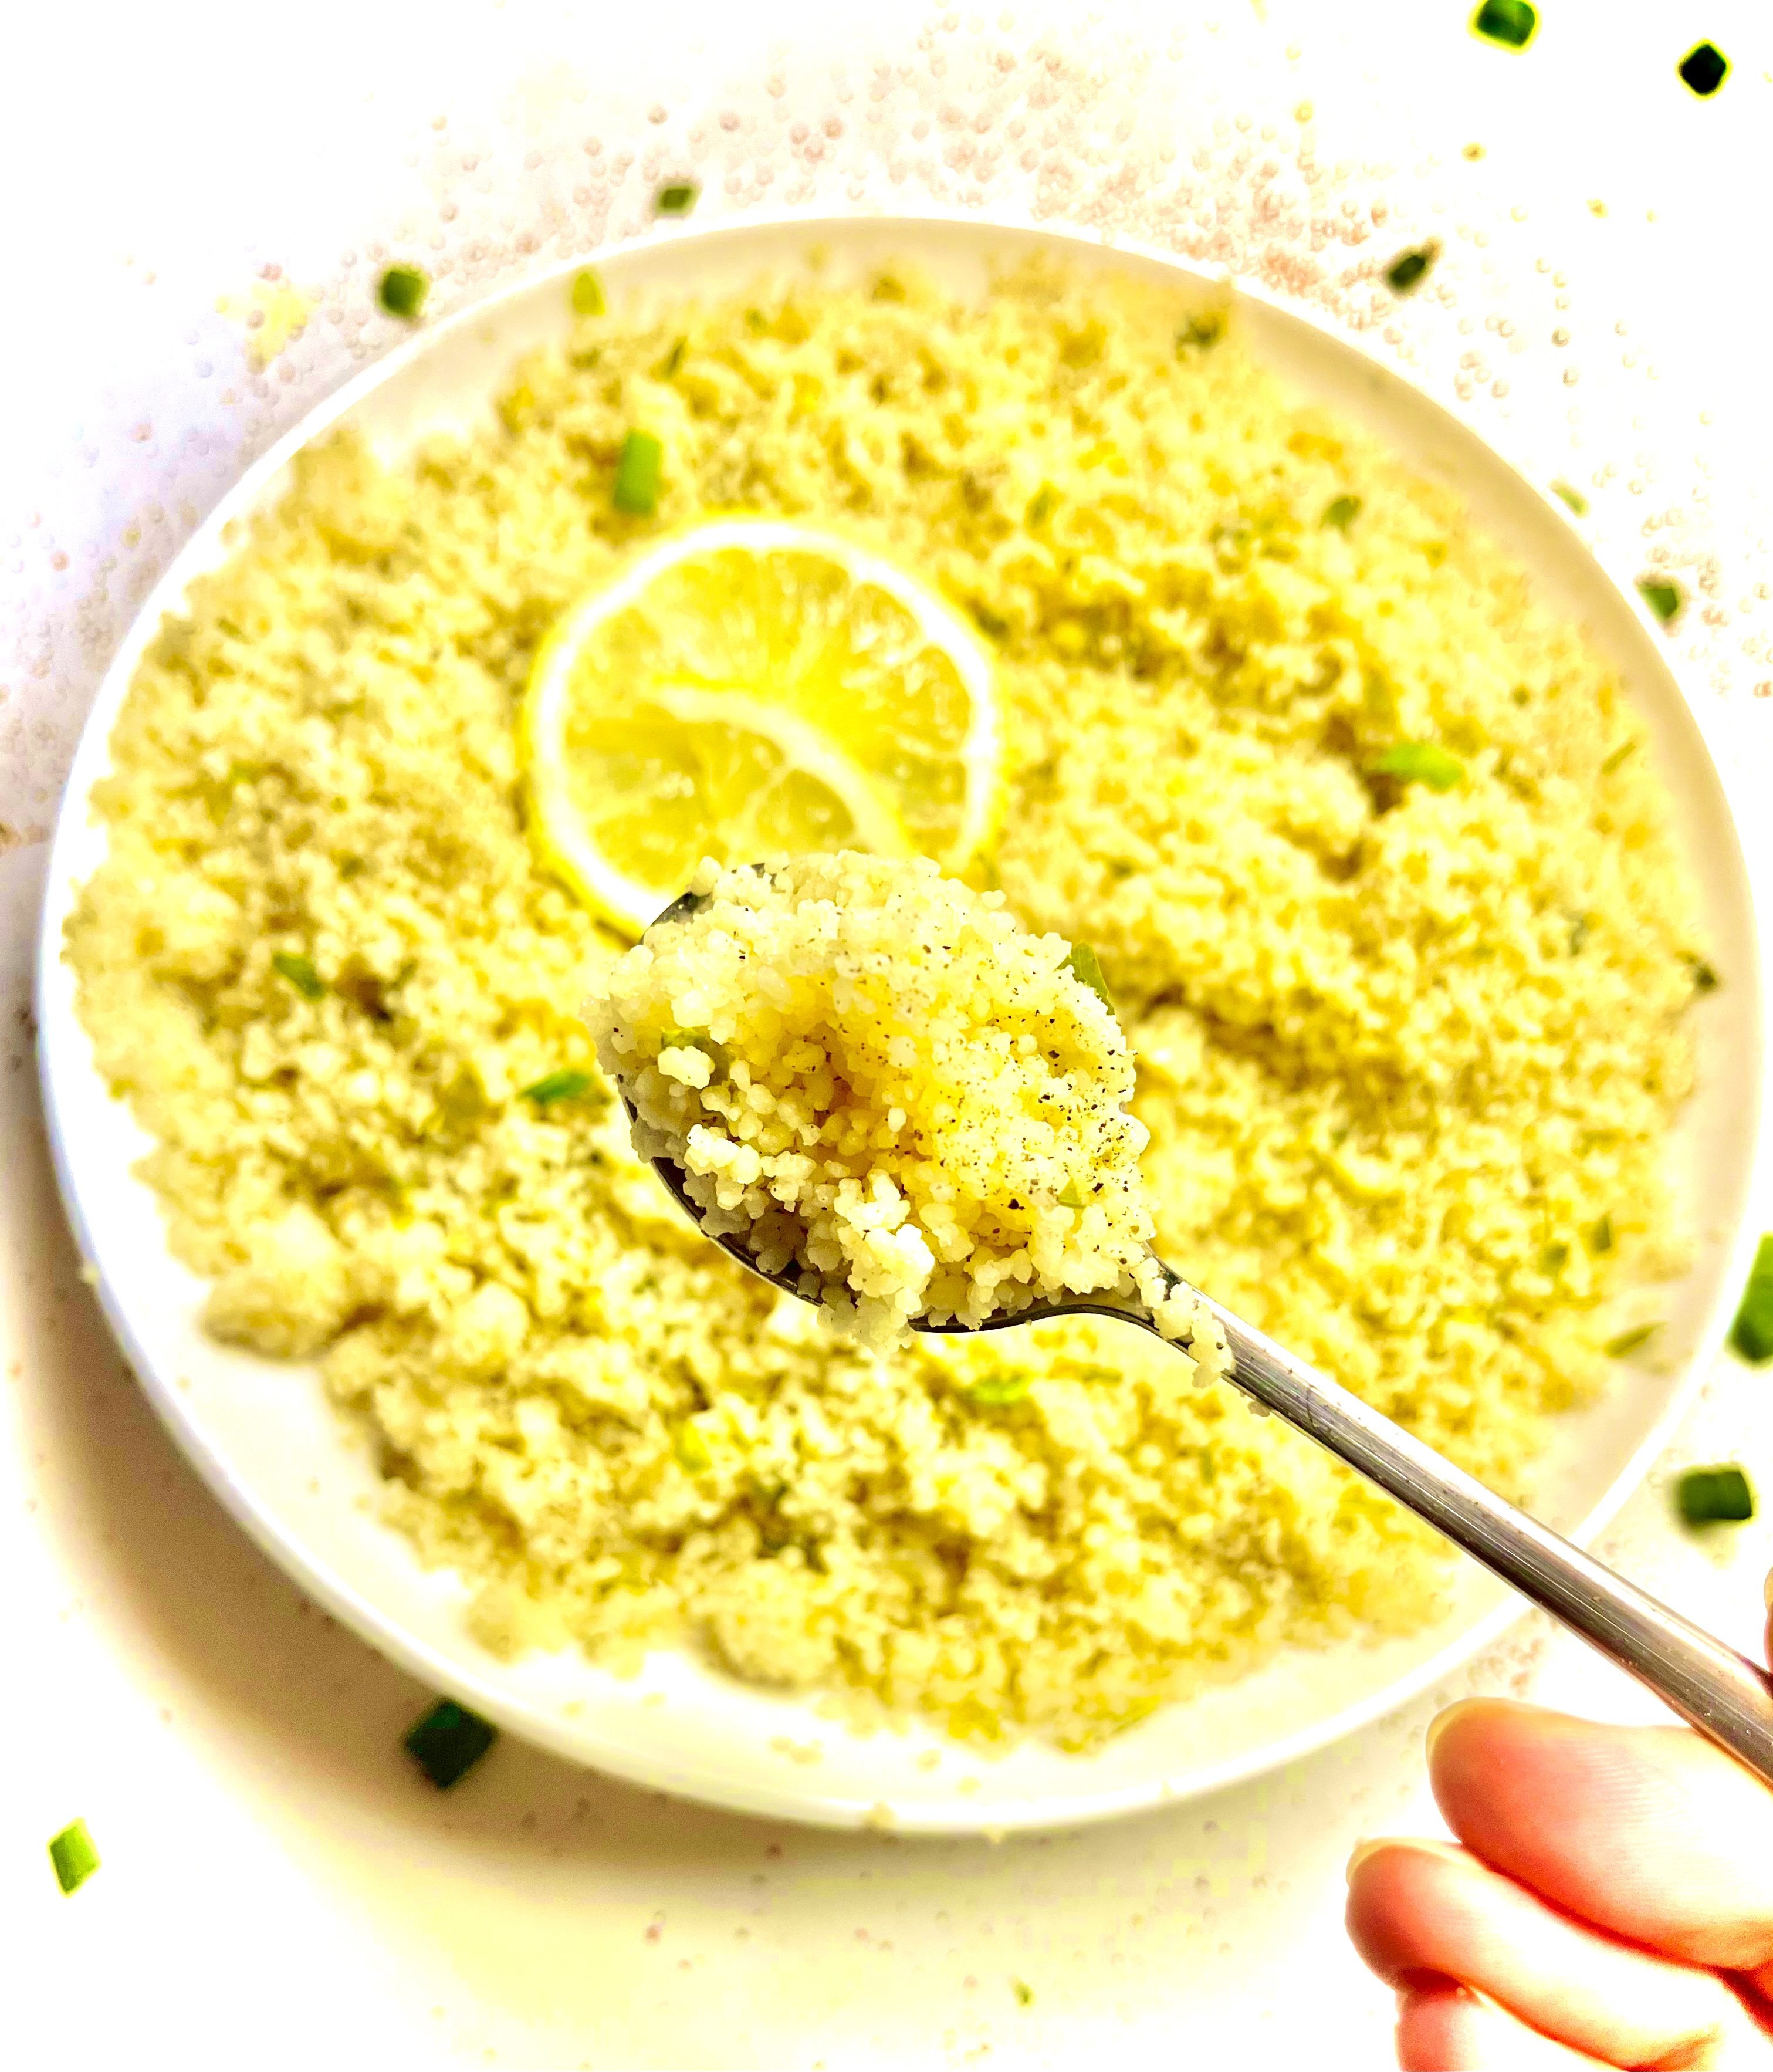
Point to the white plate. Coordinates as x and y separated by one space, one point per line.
261 1435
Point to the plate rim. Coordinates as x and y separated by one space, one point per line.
801 1803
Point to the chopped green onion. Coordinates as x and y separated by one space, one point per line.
1714 1496
1664 598
1024 1991
1704 979
1553 1259
678 199
1617 758
689 1449
403 291
1598 1239
1572 496
449 1742
1084 965
1628 1341
1341 512
638 474
666 370
684 1040
1418 763
1406 272
565 1084
1199 333
995 1390
301 974
1041 505
1069 1196
73 1856
588 295
1512 23
1752 1332
1704 69
1582 926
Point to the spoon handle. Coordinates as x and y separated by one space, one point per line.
1723 1694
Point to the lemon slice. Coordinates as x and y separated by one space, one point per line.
753 687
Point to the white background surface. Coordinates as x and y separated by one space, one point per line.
277 1886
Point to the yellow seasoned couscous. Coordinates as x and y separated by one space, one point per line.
1368 846
875 1076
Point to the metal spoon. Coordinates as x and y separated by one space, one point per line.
1726 1696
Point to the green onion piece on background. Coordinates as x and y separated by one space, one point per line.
1085 965
689 1449
588 295
995 1392
1752 1332
638 474
301 974
1070 1197
1703 70
685 1039
1628 1341
1201 332
449 1742
565 1084
1573 497
73 1856
1024 1991
1704 979
678 199
1714 1496
1406 271
1418 763
1512 23
1664 598
1598 1237
1341 512
403 291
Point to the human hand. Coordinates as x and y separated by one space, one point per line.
1609 1902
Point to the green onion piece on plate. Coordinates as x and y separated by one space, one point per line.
1070 1196
1405 272
1024 1991
1512 23
1341 512
1714 1496
639 473
1574 497
1664 598
996 1392
403 291
449 1742
1085 964
1752 1332
1704 977
1628 1341
588 295
301 974
73 1856
689 1449
1418 763
678 199
565 1084
1703 70
1598 1239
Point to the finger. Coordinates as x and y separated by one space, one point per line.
1416 1907
1649 1831
1442 2027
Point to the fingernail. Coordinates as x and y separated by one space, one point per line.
1442 1721
1423 1844
1766 1590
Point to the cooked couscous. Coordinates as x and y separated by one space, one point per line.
875 1074
1369 847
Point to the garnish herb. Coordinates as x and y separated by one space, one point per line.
449 1742
73 1856
1406 272
1628 1341
1341 512
1598 1237
1580 926
1714 1496
1200 332
1418 763
1085 964
300 973
565 1084
689 1449
1704 979
994 1392
1752 1332
1069 1196
1664 598
673 360
1703 70
1617 758
1573 497
1024 1991
1512 23
685 1039
403 291
588 295
639 473
678 199
1042 504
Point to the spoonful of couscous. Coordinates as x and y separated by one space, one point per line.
870 1085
